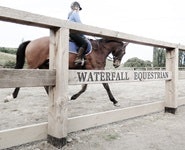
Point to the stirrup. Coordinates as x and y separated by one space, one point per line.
83 62
80 62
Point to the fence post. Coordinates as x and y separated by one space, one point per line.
57 111
171 96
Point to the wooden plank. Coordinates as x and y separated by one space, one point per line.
22 17
57 111
102 32
113 76
23 135
10 78
93 120
26 18
171 103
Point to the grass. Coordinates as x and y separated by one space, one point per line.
5 58
8 50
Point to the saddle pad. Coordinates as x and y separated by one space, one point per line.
73 48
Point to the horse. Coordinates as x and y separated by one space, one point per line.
36 53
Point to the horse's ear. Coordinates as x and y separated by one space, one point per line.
126 43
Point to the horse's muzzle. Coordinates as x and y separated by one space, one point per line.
117 63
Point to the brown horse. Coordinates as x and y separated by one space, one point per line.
37 56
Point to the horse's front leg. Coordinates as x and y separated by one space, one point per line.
13 95
111 97
75 96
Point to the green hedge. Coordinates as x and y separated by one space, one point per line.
8 50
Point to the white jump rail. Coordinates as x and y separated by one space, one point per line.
58 124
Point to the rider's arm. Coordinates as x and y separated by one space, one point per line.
75 17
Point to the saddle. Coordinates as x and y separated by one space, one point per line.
73 48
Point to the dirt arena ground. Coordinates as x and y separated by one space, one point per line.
159 131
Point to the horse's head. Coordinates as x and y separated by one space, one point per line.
118 53
107 46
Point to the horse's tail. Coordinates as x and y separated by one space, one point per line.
20 60
20 56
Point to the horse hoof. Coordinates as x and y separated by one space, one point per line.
117 104
73 97
8 98
69 140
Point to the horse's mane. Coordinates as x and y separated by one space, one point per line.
98 42
109 40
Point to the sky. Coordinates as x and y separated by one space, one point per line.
162 20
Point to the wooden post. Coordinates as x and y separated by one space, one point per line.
57 116
171 103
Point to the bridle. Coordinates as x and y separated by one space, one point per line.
119 55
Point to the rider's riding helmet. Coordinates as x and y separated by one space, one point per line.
75 4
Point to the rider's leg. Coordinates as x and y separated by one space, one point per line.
82 43
80 56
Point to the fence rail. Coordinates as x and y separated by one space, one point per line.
11 78
26 18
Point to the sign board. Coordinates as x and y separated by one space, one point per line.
108 76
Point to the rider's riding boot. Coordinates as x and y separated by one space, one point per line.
80 56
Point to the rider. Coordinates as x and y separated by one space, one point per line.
79 39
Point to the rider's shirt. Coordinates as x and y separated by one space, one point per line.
74 16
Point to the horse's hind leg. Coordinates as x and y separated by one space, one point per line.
111 97
13 95
75 96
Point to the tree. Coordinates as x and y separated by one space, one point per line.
159 57
181 58
148 63
136 62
